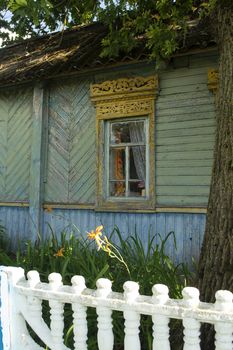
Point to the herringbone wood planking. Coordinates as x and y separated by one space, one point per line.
3 143
16 110
71 152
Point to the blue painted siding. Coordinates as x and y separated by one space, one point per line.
188 228
17 221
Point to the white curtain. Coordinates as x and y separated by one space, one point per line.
139 154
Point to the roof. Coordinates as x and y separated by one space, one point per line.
71 51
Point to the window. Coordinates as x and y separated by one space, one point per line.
125 143
126 155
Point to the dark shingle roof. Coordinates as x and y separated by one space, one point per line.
69 51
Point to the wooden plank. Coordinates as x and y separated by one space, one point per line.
163 98
3 143
187 124
183 81
180 210
174 103
18 136
184 171
51 206
200 87
181 200
183 155
14 204
35 208
184 117
71 144
196 131
183 191
202 146
185 72
185 163
185 180
186 110
195 242
184 140
199 61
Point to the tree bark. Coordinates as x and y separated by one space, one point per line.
216 260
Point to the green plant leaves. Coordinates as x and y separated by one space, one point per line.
147 260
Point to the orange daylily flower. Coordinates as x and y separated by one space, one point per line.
95 234
60 252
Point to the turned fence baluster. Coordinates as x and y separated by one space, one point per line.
35 304
79 315
160 322
223 336
132 318
56 313
191 326
105 333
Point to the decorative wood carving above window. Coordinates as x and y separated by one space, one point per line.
125 143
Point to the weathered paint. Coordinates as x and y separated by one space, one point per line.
185 131
184 137
36 173
188 228
17 222
71 149
15 143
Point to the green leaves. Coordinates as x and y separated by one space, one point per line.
162 41
161 25
15 5
70 255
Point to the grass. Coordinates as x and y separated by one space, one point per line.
68 255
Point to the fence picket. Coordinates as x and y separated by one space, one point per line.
224 330
21 305
105 334
56 313
160 322
191 326
35 304
79 315
132 318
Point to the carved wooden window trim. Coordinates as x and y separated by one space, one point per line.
213 80
119 99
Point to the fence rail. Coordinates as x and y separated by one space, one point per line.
22 304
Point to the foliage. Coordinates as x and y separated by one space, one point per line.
147 261
5 255
159 24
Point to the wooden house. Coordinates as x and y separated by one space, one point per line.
89 141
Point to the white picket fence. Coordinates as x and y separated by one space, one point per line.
22 303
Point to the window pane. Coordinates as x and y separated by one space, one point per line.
137 189
117 164
117 189
127 132
137 163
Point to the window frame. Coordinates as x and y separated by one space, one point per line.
124 99
108 146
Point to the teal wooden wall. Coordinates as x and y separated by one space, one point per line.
184 138
185 131
71 148
15 144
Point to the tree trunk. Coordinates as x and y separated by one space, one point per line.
216 261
